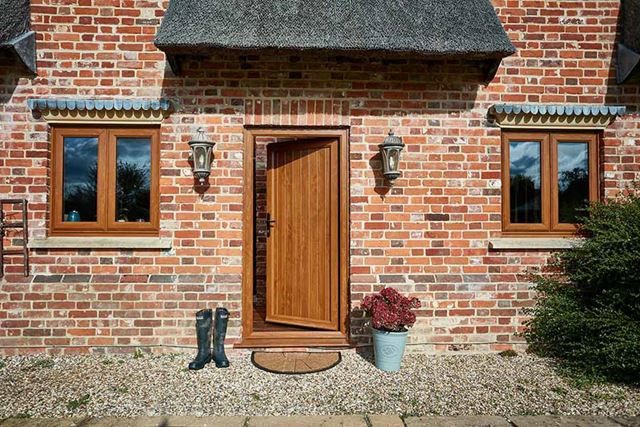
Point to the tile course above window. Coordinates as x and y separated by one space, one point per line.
101 111
554 117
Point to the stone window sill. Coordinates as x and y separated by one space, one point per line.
533 243
90 242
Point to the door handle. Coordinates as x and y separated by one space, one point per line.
269 223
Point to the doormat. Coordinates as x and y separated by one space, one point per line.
295 362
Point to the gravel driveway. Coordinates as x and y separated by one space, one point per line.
427 385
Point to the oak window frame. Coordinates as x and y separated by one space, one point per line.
549 140
106 223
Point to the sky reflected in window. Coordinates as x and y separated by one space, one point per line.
80 179
525 188
573 181
133 183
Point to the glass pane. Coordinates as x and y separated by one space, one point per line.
133 179
573 181
525 196
80 179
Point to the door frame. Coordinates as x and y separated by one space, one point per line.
251 338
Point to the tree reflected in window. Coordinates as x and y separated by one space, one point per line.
525 190
573 181
80 179
133 182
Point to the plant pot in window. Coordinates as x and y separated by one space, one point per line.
391 316
73 216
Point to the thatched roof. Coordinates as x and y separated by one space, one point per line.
16 36
430 28
628 57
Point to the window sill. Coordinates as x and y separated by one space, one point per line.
534 243
91 242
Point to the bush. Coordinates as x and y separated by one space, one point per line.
588 314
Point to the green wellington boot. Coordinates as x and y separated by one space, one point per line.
220 331
203 332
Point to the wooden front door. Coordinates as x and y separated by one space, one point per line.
302 243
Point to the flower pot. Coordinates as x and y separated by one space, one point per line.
388 348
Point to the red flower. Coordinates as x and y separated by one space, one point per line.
390 311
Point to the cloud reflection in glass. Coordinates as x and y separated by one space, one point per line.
573 181
80 178
525 190
133 179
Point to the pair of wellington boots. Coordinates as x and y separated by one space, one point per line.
206 326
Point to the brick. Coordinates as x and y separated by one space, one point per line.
54 278
162 278
76 278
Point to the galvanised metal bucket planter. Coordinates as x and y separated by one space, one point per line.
388 348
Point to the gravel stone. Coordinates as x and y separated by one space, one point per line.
427 385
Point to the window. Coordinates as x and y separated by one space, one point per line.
105 181
548 180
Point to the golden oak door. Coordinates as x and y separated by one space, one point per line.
302 242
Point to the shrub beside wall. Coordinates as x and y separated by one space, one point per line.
588 315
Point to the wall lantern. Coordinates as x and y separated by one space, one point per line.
390 151
201 154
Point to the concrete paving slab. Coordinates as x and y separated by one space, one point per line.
386 420
563 421
464 421
628 421
312 421
166 421
124 421
42 422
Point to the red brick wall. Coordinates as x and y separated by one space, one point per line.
428 235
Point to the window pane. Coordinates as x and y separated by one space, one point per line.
573 181
80 179
525 196
133 179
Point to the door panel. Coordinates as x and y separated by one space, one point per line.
302 243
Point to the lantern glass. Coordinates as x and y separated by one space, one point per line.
393 160
201 157
390 151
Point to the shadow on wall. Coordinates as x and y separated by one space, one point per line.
626 94
623 153
382 186
371 95
360 329
228 83
11 71
10 74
